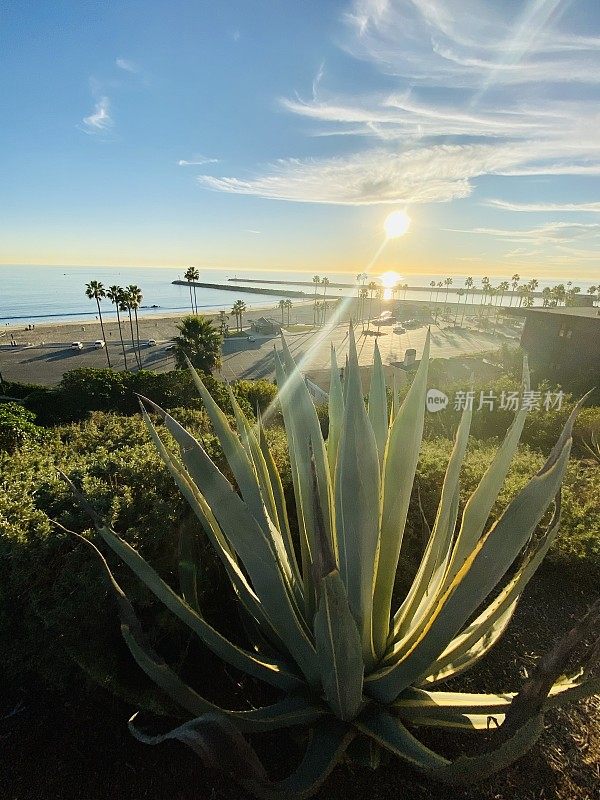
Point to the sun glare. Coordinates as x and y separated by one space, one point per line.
396 224
389 279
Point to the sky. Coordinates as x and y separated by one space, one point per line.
276 134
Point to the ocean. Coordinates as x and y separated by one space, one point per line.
35 294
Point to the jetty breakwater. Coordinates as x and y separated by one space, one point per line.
247 289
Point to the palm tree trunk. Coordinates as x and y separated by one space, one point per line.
132 336
195 301
137 334
103 334
122 342
191 299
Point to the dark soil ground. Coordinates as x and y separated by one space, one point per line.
53 748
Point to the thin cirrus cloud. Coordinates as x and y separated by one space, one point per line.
586 208
552 232
470 78
100 119
197 161
127 65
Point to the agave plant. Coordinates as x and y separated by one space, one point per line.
318 608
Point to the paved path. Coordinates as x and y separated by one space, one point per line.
255 359
45 363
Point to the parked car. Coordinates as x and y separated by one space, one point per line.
252 338
399 329
99 344
76 346
151 343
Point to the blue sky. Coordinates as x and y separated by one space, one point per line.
277 134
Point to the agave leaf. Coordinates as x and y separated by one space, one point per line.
279 498
302 419
300 489
336 414
399 467
338 649
218 742
255 550
492 556
211 527
273 672
479 505
485 630
391 734
378 410
188 565
278 530
357 487
237 458
427 582
467 770
328 741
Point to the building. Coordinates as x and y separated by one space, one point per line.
265 326
563 344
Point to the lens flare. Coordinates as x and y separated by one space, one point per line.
396 224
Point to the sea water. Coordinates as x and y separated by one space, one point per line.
34 294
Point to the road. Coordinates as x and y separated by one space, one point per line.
46 363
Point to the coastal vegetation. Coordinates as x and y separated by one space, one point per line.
112 459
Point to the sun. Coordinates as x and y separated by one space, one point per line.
396 224
390 279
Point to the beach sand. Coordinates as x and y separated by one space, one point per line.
44 354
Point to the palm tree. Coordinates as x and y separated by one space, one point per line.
96 291
592 290
127 305
514 282
223 326
237 310
364 294
282 308
546 296
460 293
503 287
466 294
447 284
135 297
469 283
432 285
288 305
372 287
192 274
200 342
316 280
115 295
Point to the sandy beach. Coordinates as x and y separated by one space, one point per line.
43 354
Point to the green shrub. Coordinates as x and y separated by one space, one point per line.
88 389
577 547
16 426
50 592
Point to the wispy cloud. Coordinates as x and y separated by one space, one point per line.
197 161
553 232
100 119
455 115
505 205
250 230
127 65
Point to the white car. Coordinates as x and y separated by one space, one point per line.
151 343
99 344
76 346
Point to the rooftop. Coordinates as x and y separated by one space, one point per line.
562 311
